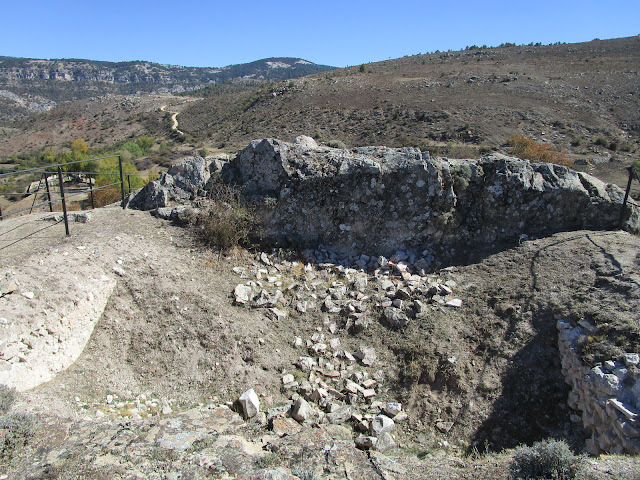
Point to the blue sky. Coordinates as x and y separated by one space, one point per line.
215 34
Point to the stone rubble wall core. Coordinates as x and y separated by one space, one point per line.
607 395
378 200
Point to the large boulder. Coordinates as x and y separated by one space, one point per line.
379 199
181 184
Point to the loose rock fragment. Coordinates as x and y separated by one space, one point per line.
301 411
242 294
367 355
385 442
381 424
392 409
250 403
444 427
365 442
396 317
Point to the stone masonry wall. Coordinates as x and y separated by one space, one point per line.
607 395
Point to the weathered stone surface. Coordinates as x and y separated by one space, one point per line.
444 427
367 355
306 363
242 294
182 183
7 284
301 410
381 424
341 415
385 442
453 202
365 442
396 317
250 403
607 400
392 409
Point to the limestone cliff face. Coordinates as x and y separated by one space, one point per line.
379 199
28 85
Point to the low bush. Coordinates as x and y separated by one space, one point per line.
548 459
228 221
19 428
336 144
528 149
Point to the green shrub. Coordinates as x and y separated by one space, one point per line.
19 428
548 459
601 142
7 397
461 176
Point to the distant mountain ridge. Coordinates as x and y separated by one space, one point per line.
32 85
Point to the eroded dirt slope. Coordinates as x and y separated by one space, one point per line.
171 336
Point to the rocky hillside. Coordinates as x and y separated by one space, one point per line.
582 97
34 85
153 393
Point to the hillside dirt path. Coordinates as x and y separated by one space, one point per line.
170 333
174 116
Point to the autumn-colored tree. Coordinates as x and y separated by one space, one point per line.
79 145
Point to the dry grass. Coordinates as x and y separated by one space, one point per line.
527 148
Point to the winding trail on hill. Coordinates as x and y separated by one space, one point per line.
174 120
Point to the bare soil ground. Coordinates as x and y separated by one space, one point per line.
171 333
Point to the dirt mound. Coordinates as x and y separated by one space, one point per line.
484 375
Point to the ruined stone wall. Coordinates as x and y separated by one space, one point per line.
379 200
607 396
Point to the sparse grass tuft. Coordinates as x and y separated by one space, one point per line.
548 459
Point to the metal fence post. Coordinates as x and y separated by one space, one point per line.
35 197
64 203
46 182
121 180
626 196
91 189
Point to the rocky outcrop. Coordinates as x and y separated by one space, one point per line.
607 395
182 183
378 200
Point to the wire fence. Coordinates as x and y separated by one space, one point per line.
58 184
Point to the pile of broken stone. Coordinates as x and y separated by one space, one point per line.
393 290
330 384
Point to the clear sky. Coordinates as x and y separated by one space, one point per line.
339 33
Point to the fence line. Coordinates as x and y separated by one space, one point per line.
49 178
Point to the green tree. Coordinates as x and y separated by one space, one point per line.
79 145
145 144
133 148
